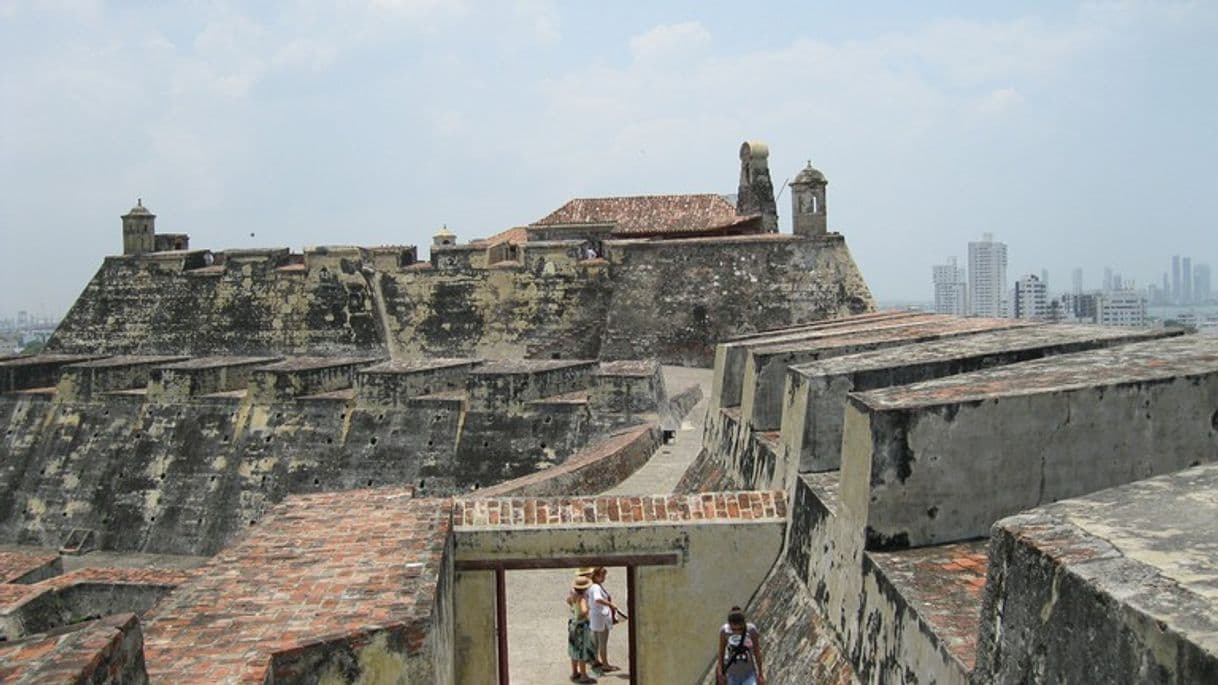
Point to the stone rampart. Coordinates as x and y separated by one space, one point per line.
1131 568
814 398
668 299
892 560
170 467
930 454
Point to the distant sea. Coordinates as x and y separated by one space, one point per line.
1174 312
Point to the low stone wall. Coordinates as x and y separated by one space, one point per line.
108 651
593 469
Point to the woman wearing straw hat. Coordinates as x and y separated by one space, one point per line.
580 646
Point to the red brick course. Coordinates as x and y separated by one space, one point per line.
321 570
509 512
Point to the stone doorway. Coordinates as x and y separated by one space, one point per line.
531 618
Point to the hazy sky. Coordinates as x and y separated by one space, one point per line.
1080 135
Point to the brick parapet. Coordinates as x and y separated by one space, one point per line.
612 510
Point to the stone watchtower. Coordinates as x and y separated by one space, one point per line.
756 192
139 230
809 216
443 238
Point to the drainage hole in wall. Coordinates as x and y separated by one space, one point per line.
152 519
316 481
543 445
224 439
95 434
252 522
43 472
422 483
212 479
199 522
65 514
162 476
548 419
669 436
268 438
329 441
380 417
430 443
263 481
369 483
372 440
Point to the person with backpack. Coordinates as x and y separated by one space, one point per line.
739 652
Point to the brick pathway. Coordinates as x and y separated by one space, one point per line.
537 623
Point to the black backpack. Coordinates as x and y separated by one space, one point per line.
738 652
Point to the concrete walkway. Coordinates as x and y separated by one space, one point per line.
537 614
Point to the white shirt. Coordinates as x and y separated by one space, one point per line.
600 617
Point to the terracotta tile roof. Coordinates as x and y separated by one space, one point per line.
648 214
513 236
325 569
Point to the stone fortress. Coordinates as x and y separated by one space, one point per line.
267 467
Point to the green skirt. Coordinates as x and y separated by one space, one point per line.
581 644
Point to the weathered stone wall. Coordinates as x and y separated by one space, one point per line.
255 303
160 472
1115 587
677 298
669 299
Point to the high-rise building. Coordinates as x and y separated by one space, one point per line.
1107 278
1186 280
1201 284
1077 277
1030 299
951 288
1044 278
987 277
1125 307
1175 278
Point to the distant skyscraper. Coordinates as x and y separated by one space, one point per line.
1031 298
1121 308
1201 284
1044 278
951 289
1107 278
987 276
1077 277
1186 280
1175 278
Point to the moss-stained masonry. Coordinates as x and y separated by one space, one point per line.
669 299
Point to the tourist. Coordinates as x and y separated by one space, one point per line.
739 652
580 647
603 615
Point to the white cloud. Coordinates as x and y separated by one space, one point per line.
671 42
999 101
541 19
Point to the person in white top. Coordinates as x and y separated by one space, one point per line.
602 615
